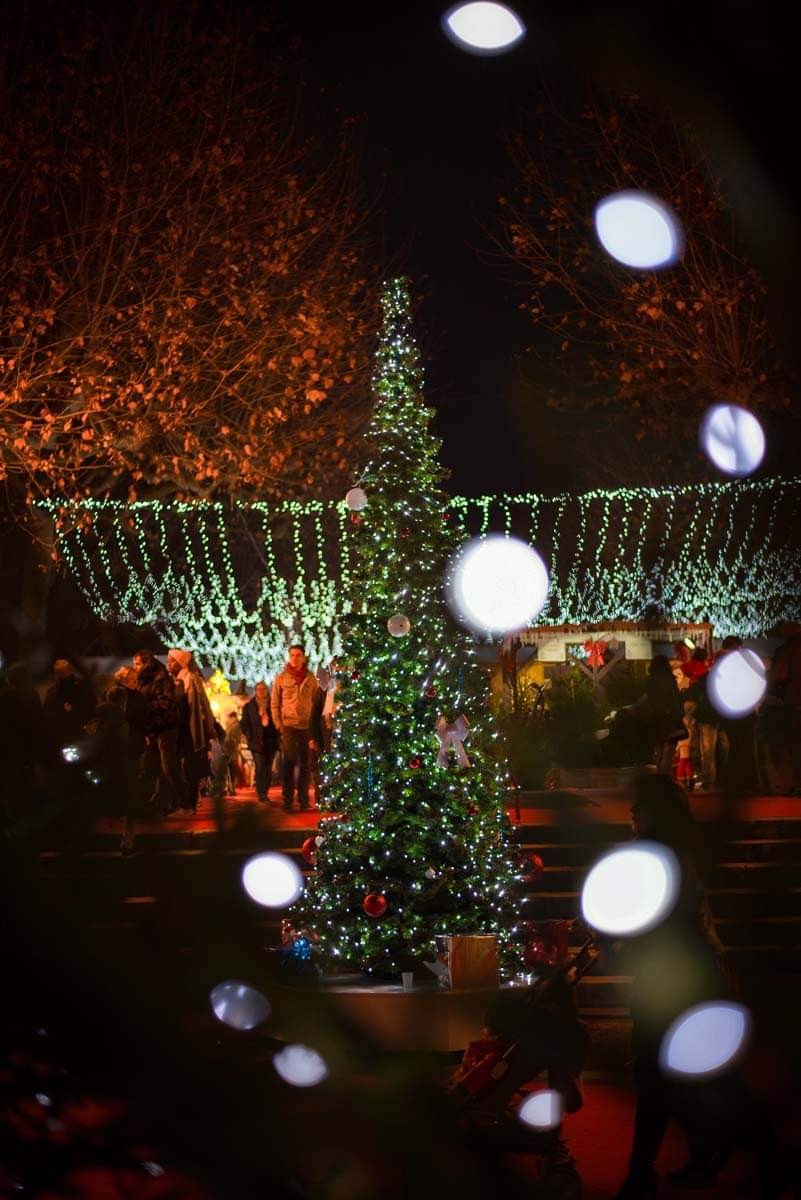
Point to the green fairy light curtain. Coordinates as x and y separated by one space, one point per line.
234 581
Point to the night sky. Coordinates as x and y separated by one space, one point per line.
434 151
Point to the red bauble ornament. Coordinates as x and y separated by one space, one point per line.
405 532
431 694
415 762
309 850
446 516
354 675
375 905
355 518
471 810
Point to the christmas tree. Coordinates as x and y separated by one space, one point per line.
417 843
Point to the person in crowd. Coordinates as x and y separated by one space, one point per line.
196 724
112 750
663 713
713 739
69 704
673 967
160 758
297 702
227 769
694 670
739 776
261 736
136 708
785 684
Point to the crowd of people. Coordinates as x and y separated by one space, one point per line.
152 744
706 750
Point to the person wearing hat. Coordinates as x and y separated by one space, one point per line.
195 724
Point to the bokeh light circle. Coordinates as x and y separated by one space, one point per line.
238 1005
732 438
706 1039
631 889
542 1109
300 1065
272 879
497 585
638 230
483 27
736 682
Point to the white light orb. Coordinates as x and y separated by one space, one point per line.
482 27
638 230
497 585
631 889
300 1065
272 879
541 1110
732 438
356 499
239 1005
399 625
70 754
705 1039
736 683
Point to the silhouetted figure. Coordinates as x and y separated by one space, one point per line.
69 704
663 713
261 736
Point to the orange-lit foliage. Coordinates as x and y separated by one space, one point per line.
651 348
185 301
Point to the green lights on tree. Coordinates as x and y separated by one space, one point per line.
417 843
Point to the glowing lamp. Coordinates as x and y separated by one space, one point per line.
482 27
300 1065
638 230
631 889
272 879
238 1005
541 1110
733 439
705 1039
70 754
736 683
497 585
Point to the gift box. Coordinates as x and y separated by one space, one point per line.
470 960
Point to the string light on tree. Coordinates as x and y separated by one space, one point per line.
421 846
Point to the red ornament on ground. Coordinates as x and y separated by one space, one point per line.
375 905
415 762
309 850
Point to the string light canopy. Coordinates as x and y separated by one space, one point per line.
235 582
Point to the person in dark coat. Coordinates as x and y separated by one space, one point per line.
135 706
664 711
673 967
261 736
69 704
785 683
160 758
195 724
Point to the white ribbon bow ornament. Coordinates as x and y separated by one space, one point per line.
452 736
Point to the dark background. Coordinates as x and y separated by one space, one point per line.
435 123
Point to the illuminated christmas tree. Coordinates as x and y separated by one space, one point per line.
417 841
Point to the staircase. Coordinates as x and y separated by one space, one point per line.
176 890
